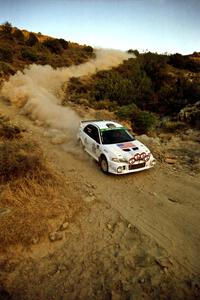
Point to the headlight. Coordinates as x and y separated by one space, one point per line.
119 160
123 160
115 159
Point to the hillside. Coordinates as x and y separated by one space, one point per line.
19 48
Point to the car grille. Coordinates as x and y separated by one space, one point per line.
138 166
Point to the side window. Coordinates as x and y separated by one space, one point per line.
88 130
92 131
95 135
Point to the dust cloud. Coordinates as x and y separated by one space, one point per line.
37 90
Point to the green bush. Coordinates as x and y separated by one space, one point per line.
144 121
126 111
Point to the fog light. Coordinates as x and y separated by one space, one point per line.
153 162
119 170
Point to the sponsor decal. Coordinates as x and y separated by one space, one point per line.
125 145
94 148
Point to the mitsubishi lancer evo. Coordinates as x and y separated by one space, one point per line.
114 147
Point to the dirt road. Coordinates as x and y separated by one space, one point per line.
161 203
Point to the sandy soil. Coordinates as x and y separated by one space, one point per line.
137 237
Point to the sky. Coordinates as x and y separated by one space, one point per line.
171 26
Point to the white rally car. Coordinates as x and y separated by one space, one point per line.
112 145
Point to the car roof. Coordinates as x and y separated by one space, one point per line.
103 124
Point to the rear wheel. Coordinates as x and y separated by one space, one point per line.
104 164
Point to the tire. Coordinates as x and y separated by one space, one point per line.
104 164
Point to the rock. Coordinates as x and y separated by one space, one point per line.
55 236
164 262
171 161
129 226
64 226
109 226
35 240
89 198
191 114
173 199
141 280
153 194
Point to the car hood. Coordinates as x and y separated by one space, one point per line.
126 150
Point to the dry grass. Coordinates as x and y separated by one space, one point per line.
32 194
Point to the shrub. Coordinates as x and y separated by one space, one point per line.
6 68
8 130
88 49
17 161
18 35
111 85
184 62
53 45
32 40
6 54
172 126
7 27
144 121
29 54
135 52
63 43
126 111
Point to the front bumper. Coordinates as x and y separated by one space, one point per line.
125 168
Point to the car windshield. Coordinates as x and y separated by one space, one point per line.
115 136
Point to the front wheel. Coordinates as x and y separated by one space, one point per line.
104 164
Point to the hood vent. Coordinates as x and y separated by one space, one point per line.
110 125
135 148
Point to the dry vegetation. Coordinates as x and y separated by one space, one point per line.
19 48
32 192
